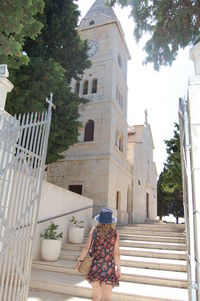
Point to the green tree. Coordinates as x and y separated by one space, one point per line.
18 22
162 198
170 180
56 56
59 38
173 175
171 25
176 204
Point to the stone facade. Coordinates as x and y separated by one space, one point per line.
100 166
144 189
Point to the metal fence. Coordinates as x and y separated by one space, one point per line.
23 146
188 197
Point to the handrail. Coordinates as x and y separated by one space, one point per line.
64 214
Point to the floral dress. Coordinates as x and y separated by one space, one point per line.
103 264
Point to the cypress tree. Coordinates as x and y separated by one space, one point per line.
56 56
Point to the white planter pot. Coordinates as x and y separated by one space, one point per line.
76 235
51 249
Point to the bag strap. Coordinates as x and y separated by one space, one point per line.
92 241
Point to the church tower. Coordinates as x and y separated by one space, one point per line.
97 165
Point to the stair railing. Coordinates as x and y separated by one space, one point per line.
63 214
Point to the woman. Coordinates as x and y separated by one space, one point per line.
105 271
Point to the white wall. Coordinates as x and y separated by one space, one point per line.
56 201
194 127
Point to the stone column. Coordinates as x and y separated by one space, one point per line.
5 85
194 123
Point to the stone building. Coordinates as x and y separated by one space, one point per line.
98 166
144 173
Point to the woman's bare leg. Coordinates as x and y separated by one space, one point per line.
96 291
106 292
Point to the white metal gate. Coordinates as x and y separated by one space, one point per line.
23 146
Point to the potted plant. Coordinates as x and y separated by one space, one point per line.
51 243
76 231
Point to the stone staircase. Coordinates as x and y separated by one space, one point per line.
153 264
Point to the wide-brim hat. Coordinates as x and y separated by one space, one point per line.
105 217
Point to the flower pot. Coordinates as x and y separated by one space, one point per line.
76 235
51 249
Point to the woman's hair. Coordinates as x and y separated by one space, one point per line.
105 228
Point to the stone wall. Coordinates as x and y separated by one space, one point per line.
119 182
57 201
92 174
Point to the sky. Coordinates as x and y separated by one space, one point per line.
158 92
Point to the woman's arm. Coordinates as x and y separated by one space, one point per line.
117 256
85 248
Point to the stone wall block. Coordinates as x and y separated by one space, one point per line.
195 141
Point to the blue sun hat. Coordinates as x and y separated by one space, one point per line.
105 217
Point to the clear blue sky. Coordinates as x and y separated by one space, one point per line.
158 92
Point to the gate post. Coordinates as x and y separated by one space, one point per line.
5 85
194 127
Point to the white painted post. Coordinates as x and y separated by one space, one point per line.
5 85
194 124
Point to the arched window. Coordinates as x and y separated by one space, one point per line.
89 131
118 200
121 143
85 87
91 22
77 88
94 86
119 60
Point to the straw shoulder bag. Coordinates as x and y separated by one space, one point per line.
85 265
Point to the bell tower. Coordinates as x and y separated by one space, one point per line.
105 83
98 162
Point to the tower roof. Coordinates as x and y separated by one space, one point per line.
101 11
100 14
100 7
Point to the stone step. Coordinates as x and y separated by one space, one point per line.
147 237
74 285
157 227
153 253
147 232
67 253
135 244
142 262
151 238
129 274
153 245
40 295
154 263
